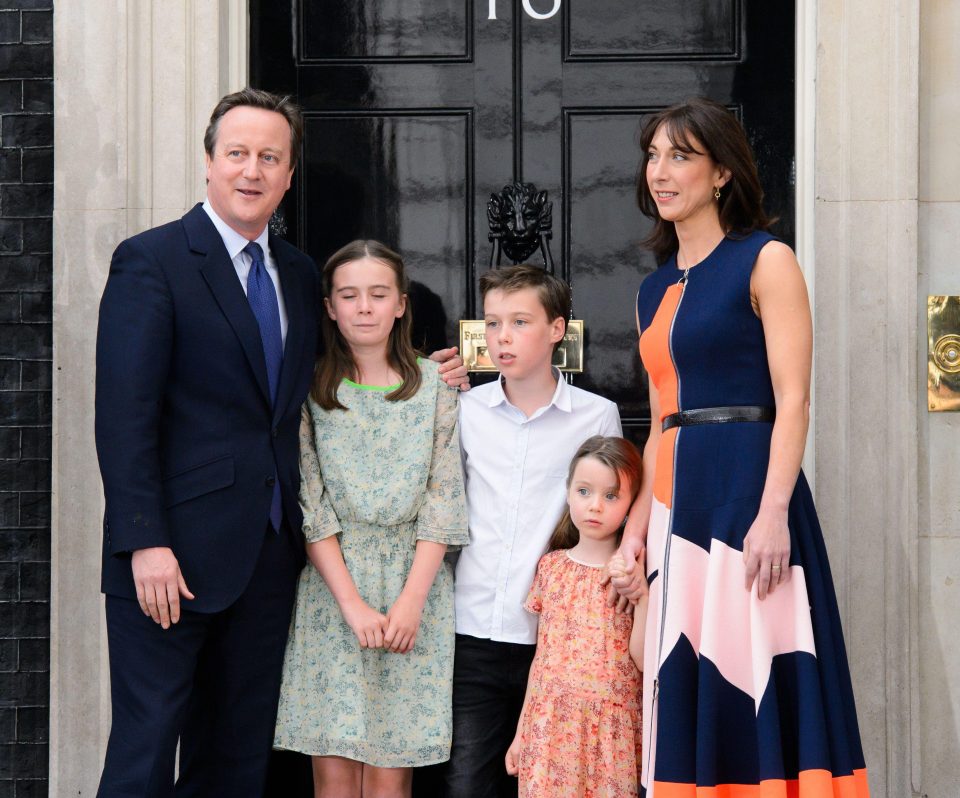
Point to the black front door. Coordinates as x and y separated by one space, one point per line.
417 110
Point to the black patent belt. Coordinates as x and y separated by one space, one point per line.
719 415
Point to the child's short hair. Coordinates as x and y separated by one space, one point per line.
554 293
617 454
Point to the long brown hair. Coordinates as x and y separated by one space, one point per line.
720 133
617 454
337 362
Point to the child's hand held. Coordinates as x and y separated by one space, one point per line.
512 760
402 622
367 624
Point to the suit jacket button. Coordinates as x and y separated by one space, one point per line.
270 481
275 432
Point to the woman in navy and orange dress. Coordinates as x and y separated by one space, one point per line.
746 685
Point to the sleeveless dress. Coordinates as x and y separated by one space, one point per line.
381 476
742 697
581 731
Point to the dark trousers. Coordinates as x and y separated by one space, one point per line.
211 682
489 682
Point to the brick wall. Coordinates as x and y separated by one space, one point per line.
26 207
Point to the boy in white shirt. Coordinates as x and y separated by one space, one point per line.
517 436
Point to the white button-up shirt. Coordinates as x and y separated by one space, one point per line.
516 470
234 242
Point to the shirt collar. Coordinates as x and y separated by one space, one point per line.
560 398
232 240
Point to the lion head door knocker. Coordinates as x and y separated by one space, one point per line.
521 222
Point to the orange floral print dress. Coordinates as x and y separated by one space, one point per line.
581 733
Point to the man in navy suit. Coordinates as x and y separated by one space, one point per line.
205 353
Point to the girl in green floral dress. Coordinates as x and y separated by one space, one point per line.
369 663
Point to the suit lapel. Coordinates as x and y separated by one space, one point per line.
293 299
220 275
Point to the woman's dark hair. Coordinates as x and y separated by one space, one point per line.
337 362
617 454
720 133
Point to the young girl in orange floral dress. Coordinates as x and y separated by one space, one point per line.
579 731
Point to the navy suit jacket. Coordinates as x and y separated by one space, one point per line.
187 440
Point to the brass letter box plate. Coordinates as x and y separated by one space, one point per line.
943 352
473 347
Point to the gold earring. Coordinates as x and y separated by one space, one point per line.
716 193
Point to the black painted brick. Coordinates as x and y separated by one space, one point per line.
9 582
37 26
34 509
24 545
8 656
36 375
26 201
10 165
9 306
9 375
34 5
8 725
9 27
36 306
32 788
38 236
26 272
9 515
32 725
26 60
25 619
11 236
38 165
11 95
10 443
22 761
35 442
26 206
35 581
26 340
27 130
38 96
34 656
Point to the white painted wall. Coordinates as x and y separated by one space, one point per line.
939 433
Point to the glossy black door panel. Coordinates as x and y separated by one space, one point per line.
655 29
399 177
602 258
367 30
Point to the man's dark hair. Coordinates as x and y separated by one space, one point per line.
553 293
256 98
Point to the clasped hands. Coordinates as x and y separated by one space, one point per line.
626 575
396 631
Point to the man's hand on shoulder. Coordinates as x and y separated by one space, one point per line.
156 574
452 369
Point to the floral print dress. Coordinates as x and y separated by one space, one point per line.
381 475
581 730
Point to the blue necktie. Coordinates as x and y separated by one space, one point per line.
263 302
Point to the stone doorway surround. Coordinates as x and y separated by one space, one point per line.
134 85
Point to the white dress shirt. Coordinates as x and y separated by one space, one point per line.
234 242
516 471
